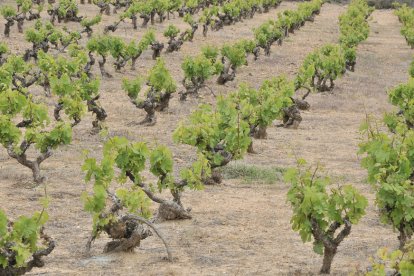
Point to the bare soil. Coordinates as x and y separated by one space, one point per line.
237 229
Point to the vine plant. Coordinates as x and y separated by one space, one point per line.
161 87
197 70
174 44
260 107
35 122
354 29
319 67
232 57
88 23
122 221
319 214
219 133
287 22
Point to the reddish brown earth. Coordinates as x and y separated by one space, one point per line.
237 229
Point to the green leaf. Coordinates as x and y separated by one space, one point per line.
318 248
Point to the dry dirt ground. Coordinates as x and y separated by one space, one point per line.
237 229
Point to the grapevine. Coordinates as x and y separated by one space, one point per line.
319 214
161 87
123 219
219 133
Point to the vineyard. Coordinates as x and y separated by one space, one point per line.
206 137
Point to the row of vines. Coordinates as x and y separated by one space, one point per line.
406 16
389 162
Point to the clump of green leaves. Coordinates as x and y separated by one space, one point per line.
397 262
171 32
4 50
389 161
174 44
233 57
267 34
90 22
67 10
134 50
353 25
121 51
8 11
160 79
21 246
45 35
100 45
411 72
402 96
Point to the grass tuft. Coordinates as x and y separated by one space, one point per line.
252 174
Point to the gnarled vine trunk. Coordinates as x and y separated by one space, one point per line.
328 256
34 165
168 209
127 230
7 26
330 243
291 117
260 132
228 74
98 111
126 234
156 48
403 237
102 68
174 45
216 177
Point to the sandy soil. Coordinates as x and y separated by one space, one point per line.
237 229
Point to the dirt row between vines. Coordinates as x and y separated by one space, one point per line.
237 229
